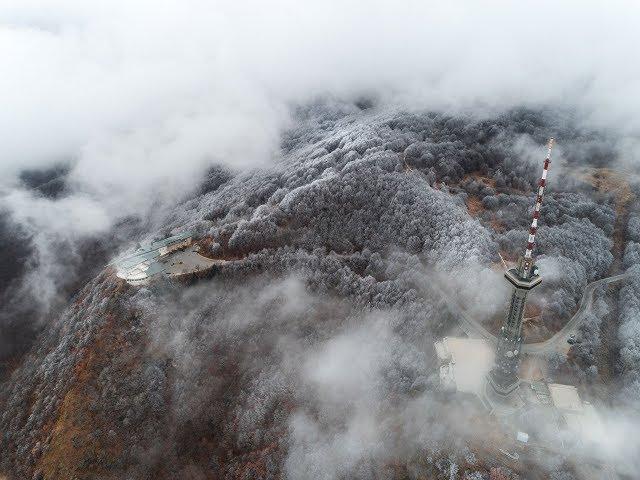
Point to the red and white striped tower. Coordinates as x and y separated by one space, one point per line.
504 375
527 262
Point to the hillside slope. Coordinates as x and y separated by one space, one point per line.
309 354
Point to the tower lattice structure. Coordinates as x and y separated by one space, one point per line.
504 375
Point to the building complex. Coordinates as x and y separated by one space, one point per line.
145 262
490 372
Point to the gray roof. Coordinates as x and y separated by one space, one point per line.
167 241
133 260
149 251
156 267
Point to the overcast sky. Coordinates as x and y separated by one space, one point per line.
143 94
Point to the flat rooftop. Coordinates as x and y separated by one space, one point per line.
169 240
565 397
148 252
465 362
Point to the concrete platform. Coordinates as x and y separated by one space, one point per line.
185 262
464 363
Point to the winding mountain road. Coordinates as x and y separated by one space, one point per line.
475 329
586 303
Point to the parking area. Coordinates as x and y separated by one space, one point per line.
187 261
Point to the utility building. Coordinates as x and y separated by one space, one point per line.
503 377
469 366
144 263
464 363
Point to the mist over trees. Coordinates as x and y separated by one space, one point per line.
629 332
309 353
360 173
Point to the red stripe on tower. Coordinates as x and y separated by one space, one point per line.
536 210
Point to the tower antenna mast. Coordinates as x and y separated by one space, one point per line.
504 375
536 209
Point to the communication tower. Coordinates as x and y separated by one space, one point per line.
504 375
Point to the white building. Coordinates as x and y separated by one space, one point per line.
464 363
574 414
141 265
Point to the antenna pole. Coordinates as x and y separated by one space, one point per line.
527 263
503 378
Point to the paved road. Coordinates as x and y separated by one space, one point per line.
471 327
474 329
586 303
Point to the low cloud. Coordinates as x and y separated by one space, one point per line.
159 89
140 98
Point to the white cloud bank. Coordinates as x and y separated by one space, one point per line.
187 81
143 95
